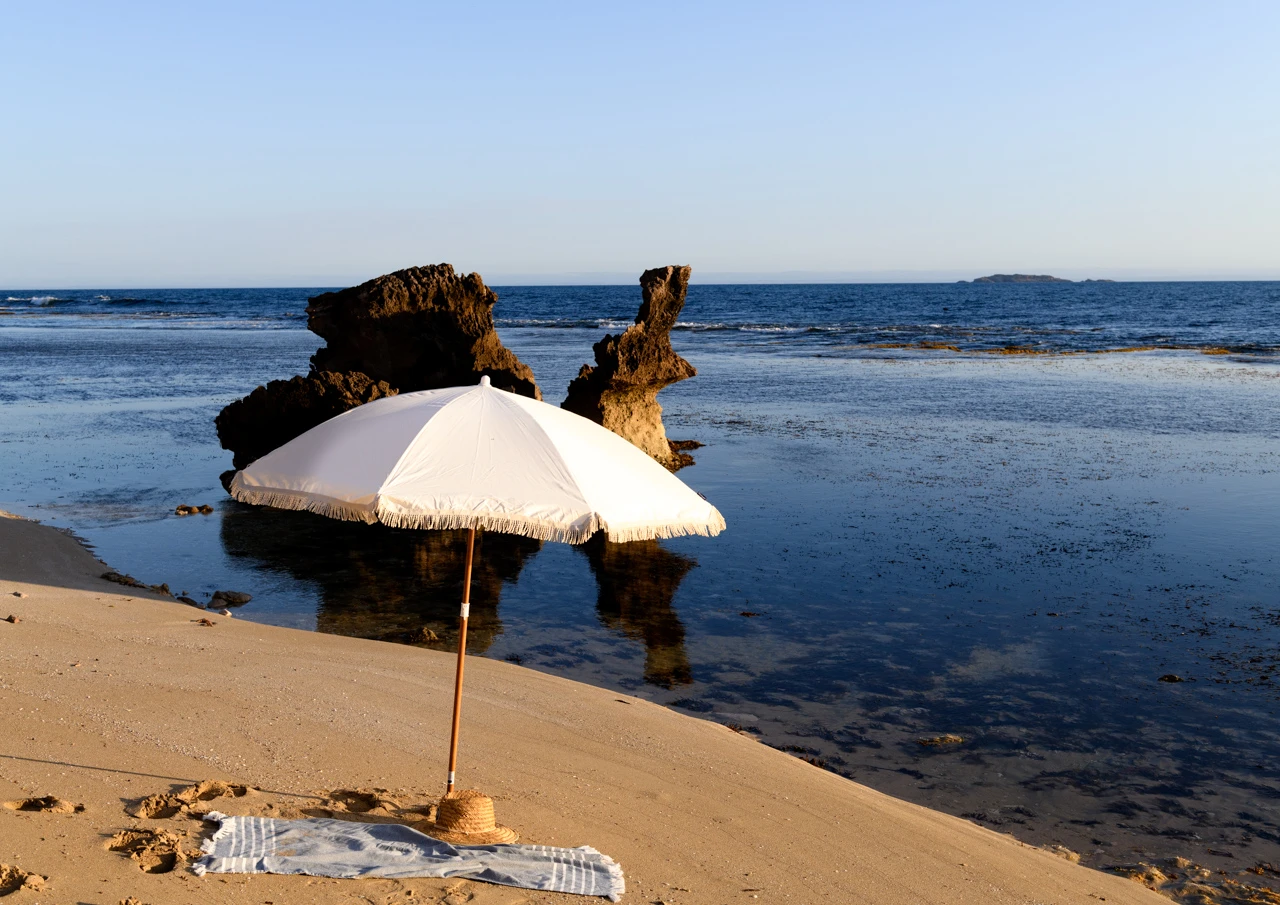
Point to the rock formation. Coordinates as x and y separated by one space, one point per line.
621 390
415 329
274 414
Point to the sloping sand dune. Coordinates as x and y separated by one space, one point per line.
111 698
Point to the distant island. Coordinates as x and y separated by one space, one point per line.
1019 278
1026 278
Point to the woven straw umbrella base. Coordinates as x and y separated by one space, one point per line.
466 818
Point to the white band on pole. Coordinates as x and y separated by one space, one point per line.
466 610
450 777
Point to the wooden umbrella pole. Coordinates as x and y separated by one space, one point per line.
462 652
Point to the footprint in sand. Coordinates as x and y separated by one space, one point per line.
156 851
360 801
160 806
48 804
13 879
369 805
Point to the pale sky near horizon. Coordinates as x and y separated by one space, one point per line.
241 144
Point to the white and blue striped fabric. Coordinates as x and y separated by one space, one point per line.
342 848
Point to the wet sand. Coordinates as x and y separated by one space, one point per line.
112 697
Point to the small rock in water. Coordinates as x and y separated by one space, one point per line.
204 509
130 582
229 598
940 740
185 510
127 580
1170 677
425 635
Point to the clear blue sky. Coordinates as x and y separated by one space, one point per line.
227 144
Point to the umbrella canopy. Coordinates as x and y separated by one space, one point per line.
477 457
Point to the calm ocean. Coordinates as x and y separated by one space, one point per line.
1010 548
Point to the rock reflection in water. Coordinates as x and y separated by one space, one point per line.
638 581
379 582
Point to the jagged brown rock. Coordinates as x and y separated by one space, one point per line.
621 390
274 414
417 329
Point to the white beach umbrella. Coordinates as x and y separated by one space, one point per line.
477 457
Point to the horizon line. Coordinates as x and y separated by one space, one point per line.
711 278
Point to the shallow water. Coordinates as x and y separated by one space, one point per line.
1009 549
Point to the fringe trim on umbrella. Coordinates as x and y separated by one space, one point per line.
709 528
503 524
452 521
544 530
296 499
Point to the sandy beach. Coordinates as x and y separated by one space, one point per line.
114 697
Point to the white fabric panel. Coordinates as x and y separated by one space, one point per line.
621 482
347 458
484 454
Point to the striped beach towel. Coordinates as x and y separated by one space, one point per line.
341 848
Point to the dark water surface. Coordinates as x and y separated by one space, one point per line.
1008 548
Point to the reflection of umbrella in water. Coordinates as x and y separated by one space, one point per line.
477 457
